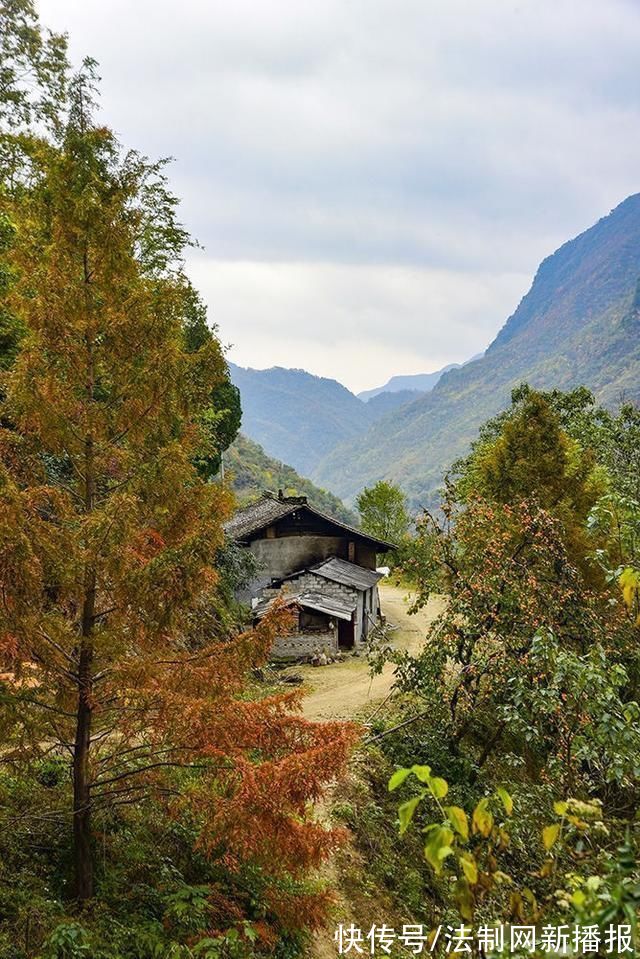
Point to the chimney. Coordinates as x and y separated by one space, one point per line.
280 494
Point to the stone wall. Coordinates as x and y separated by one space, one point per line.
300 645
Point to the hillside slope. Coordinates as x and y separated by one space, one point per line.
253 472
578 324
295 416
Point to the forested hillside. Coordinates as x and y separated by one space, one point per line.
295 416
578 324
254 472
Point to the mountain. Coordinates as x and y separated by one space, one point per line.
254 472
578 324
420 382
297 417
383 403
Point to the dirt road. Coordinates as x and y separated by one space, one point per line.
343 689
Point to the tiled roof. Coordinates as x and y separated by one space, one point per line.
348 574
269 509
315 600
257 516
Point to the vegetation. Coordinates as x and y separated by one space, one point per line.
252 472
532 670
154 802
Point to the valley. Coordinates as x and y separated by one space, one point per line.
577 325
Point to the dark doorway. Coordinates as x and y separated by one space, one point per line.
346 634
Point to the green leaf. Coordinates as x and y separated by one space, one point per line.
550 835
438 786
458 819
405 813
423 773
398 778
438 847
507 801
482 820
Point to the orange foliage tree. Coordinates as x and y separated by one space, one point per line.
108 535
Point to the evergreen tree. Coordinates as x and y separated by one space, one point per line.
109 535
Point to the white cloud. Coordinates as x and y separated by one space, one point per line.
355 323
372 159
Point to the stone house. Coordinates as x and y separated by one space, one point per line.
324 569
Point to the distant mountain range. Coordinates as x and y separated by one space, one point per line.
578 324
297 417
300 418
416 382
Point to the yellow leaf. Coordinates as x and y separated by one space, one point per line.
482 820
550 835
507 801
470 870
423 773
458 819
439 787
398 778
438 847
405 813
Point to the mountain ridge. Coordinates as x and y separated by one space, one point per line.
417 382
568 329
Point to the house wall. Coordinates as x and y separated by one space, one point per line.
281 556
365 556
281 552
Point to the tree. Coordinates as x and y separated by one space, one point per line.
383 512
220 421
109 535
525 454
508 575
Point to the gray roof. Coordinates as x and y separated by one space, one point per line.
315 600
269 509
349 574
257 516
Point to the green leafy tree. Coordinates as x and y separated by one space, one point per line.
527 455
383 511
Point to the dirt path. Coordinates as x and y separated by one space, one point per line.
341 690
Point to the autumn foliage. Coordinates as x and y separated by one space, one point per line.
109 538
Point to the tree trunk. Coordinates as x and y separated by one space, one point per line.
82 840
82 844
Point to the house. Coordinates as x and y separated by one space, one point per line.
322 568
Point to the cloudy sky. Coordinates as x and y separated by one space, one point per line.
374 182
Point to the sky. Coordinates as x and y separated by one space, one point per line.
373 182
